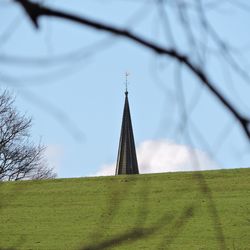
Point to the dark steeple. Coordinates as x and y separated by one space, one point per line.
126 160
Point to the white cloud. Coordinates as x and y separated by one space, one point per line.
157 156
53 154
108 169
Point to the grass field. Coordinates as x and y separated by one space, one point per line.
159 211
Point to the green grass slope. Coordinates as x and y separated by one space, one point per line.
159 211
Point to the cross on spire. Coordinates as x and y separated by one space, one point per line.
126 82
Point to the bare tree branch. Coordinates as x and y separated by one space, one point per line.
19 158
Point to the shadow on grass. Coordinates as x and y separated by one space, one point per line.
132 235
175 227
140 233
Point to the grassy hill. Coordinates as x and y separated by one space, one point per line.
205 210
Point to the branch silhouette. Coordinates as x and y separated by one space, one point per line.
35 10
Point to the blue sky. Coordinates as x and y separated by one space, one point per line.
79 73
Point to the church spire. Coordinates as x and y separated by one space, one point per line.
126 160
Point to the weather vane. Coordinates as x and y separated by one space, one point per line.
126 82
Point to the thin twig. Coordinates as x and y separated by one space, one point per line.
35 11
